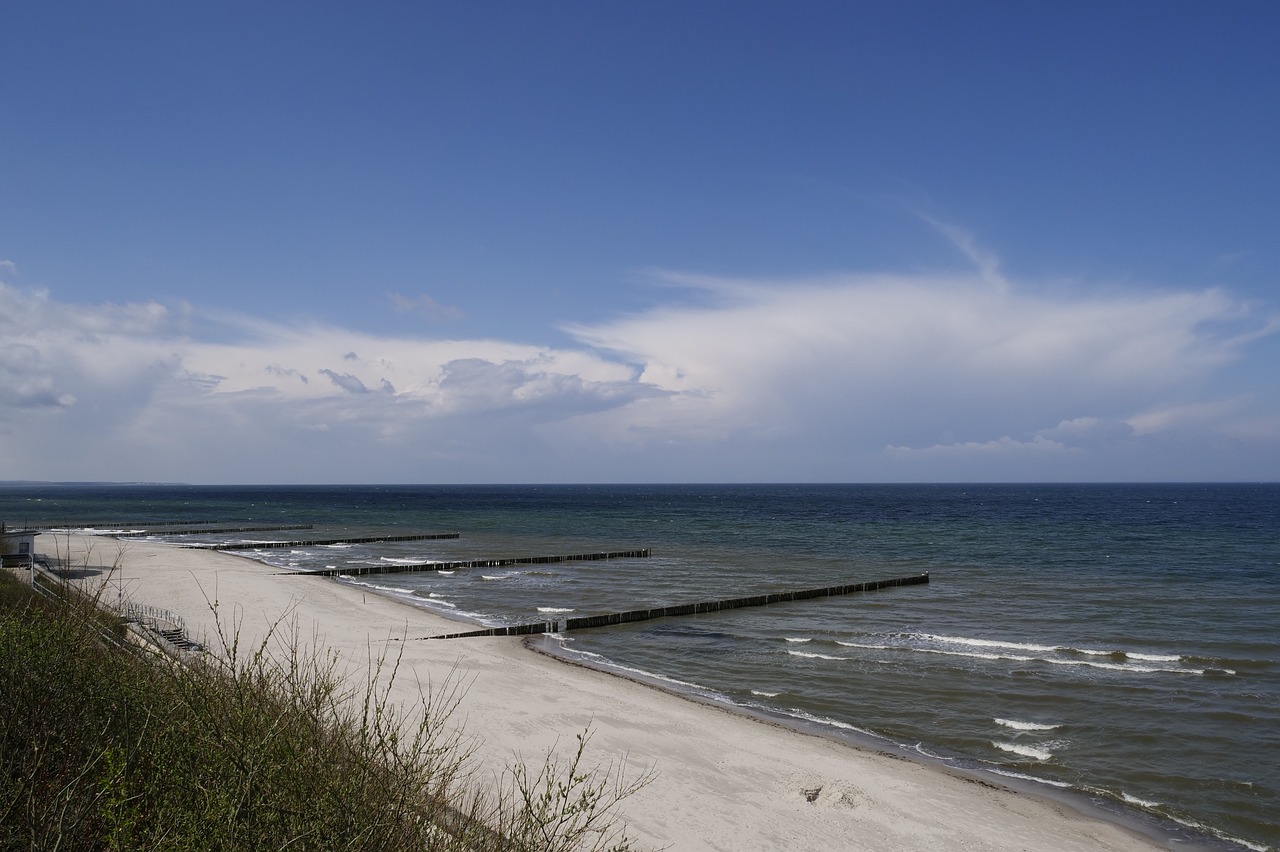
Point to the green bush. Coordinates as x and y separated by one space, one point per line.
107 748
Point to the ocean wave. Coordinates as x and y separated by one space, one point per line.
994 770
1134 800
493 577
554 609
1221 835
1049 654
987 643
796 639
764 694
1025 726
378 587
1117 654
1130 655
815 656
702 690
797 713
1023 750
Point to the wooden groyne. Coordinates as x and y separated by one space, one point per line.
208 531
564 624
266 545
391 568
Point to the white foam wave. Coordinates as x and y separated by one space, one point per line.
815 656
377 587
1060 649
977 655
444 572
988 643
834 723
797 639
1134 800
1042 653
1023 750
919 748
1127 667
492 577
337 546
653 676
1221 835
764 694
1128 655
1008 774
553 609
1025 726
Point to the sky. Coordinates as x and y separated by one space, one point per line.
509 242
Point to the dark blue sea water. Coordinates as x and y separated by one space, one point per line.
1118 642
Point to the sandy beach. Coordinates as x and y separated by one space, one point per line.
722 781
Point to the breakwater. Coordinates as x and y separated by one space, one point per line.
267 545
358 570
565 624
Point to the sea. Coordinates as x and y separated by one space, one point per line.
1117 646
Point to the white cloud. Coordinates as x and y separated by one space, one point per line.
857 345
1003 446
1199 414
732 380
987 263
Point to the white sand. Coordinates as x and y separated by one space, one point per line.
723 781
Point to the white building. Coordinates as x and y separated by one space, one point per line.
18 546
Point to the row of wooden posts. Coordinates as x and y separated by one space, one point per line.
608 619
555 626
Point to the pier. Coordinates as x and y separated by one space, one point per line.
391 568
266 545
565 624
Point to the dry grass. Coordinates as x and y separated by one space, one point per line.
268 747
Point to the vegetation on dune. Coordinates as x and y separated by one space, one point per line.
106 748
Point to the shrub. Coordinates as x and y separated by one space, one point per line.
106 748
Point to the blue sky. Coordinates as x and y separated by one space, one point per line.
594 242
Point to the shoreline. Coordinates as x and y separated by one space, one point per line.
1162 833
727 779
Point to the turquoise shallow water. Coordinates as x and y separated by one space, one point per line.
1121 642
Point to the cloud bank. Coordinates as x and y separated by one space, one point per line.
847 378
